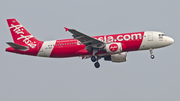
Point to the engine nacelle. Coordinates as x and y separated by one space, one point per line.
113 48
121 57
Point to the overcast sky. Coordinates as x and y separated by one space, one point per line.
28 78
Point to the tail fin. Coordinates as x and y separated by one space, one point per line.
20 35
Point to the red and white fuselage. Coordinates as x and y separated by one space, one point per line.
83 45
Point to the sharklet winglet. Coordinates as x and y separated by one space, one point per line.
66 29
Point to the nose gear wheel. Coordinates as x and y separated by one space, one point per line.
152 56
151 51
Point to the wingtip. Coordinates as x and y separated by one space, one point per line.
66 29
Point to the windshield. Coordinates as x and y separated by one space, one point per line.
161 34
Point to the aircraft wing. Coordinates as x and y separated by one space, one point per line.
85 39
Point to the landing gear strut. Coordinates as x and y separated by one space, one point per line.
151 51
95 59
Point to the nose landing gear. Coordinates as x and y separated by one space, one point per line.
151 51
152 56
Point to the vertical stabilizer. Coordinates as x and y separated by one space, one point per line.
20 34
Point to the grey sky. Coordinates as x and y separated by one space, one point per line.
28 78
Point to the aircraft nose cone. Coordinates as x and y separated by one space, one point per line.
171 40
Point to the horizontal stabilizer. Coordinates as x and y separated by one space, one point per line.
17 46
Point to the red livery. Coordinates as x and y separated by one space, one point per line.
110 47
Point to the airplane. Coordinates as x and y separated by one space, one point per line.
110 47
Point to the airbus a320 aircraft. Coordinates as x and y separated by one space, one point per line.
110 47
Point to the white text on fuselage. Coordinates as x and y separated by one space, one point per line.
122 37
26 38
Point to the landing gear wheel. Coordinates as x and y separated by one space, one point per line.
152 56
93 59
97 65
151 51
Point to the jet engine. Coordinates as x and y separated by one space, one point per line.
113 48
121 57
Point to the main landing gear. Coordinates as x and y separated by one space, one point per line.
94 59
97 65
151 51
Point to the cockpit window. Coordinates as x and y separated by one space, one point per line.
161 35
